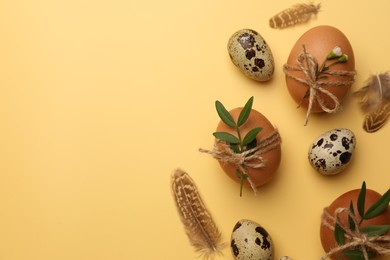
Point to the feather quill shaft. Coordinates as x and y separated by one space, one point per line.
374 101
296 14
198 223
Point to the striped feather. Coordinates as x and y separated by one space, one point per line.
374 100
198 223
376 119
297 14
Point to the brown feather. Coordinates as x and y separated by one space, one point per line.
299 13
198 223
374 100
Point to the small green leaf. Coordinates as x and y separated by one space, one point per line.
339 234
224 114
251 135
352 225
361 199
245 112
353 254
356 254
235 148
238 173
378 230
379 206
226 137
307 94
251 145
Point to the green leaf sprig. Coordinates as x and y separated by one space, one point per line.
334 56
374 230
237 143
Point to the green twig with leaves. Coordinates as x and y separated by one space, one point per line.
373 234
335 56
237 143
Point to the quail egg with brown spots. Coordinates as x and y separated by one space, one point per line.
251 54
250 241
331 152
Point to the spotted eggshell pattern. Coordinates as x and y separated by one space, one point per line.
331 152
251 54
250 241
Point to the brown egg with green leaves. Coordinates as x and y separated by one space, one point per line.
248 145
320 70
355 224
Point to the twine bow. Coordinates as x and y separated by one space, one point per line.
251 158
307 64
378 244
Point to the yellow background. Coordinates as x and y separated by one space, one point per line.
101 100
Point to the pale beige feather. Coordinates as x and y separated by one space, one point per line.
296 14
374 100
200 228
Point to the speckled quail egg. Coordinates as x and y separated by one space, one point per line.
331 152
250 241
251 54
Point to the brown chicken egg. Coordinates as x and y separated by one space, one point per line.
327 236
319 43
259 176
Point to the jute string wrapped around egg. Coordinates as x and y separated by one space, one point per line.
308 65
357 239
251 158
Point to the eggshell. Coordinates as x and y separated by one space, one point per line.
343 201
331 152
250 53
319 42
272 157
250 241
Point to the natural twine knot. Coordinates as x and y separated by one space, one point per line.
251 158
247 158
357 239
308 65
